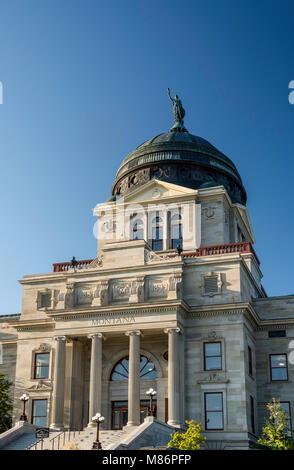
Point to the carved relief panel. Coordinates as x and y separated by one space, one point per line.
158 287
83 294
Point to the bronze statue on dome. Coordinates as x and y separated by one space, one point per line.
179 112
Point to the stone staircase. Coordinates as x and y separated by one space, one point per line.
83 440
150 433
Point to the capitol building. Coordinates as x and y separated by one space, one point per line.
172 300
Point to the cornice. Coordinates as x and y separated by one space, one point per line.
112 310
71 276
28 325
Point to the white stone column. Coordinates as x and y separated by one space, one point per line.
95 392
173 376
58 384
134 378
165 229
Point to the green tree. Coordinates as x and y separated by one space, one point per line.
5 404
190 440
276 434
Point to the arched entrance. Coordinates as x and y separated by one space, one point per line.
120 375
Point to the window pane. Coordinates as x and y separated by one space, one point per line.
42 372
214 420
45 300
279 374
212 349
214 402
286 407
116 376
176 231
116 419
138 235
157 245
213 363
177 242
42 366
125 417
278 360
40 407
42 359
121 370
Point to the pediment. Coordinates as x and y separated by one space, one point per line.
155 190
40 386
244 214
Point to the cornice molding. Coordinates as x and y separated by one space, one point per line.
70 276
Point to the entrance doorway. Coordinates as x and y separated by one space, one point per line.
120 413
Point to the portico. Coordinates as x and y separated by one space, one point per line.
103 391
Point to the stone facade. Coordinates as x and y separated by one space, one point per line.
166 306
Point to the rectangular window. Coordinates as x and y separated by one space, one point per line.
214 412
278 367
212 356
45 300
41 367
252 419
250 363
287 408
39 413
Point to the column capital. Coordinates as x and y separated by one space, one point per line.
174 329
59 338
134 333
96 335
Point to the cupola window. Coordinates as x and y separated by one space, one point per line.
176 233
157 234
137 228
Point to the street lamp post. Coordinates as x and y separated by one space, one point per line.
98 419
24 398
151 393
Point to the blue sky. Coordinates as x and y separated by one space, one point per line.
85 83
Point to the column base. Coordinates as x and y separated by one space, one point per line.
174 423
91 425
56 427
131 424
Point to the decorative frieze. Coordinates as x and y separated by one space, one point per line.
131 290
175 287
138 290
121 290
101 295
83 294
69 298
158 287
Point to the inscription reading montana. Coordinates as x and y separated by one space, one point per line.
120 320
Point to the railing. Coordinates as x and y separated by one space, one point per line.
56 441
242 247
61 267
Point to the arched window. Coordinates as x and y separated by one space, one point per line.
176 231
157 234
121 369
137 228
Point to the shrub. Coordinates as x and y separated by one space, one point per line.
190 440
276 434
